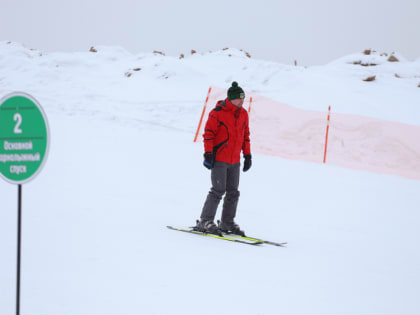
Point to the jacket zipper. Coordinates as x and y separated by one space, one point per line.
236 134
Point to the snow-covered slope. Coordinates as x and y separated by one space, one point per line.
123 165
102 81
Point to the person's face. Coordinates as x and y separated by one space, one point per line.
238 102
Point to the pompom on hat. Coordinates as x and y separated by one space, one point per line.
235 92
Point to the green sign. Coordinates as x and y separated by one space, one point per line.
24 138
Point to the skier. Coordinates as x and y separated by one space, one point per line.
226 134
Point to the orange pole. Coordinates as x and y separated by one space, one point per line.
250 104
326 136
202 115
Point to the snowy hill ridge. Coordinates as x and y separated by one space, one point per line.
117 76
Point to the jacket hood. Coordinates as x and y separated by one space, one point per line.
227 105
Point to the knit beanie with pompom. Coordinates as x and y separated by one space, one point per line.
235 92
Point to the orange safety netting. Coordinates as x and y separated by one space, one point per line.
354 141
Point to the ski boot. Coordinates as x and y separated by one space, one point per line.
207 227
230 228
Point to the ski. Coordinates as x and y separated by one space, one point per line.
236 240
254 239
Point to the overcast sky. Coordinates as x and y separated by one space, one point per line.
310 31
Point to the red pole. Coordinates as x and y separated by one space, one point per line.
250 104
202 115
326 136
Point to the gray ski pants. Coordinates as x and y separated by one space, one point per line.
224 179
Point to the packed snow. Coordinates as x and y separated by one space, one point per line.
123 165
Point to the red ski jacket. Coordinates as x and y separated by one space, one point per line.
227 132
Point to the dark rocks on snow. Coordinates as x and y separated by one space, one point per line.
369 79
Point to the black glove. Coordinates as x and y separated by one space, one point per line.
247 162
208 160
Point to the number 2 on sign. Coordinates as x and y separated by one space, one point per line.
18 118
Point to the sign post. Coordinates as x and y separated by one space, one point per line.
24 145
